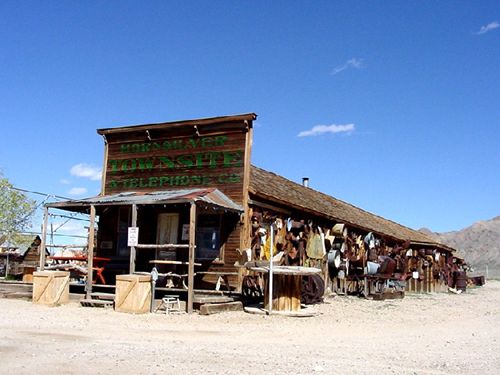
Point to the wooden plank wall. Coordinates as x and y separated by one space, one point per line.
215 156
177 162
231 256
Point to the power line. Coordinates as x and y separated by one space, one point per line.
37 192
55 234
69 217
48 196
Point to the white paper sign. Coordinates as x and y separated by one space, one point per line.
133 236
185 232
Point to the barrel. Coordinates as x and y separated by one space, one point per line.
286 292
461 280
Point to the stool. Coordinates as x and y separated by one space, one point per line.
171 303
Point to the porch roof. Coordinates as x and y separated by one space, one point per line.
210 196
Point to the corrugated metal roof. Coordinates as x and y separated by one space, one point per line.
210 196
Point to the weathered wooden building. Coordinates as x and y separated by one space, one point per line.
202 210
421 262
19 263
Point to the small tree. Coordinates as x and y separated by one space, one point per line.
16 212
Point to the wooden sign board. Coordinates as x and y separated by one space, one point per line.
191 154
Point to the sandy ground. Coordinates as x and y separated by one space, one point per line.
421 334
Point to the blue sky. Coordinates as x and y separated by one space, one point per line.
397 102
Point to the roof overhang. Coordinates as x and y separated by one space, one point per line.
433 244
209 196
196 122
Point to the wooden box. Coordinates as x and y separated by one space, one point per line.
133 293
51 287
28 274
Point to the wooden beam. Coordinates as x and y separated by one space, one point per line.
67 246
132 248
222 249
44 238
160 261
192 244
269 206
164 246
237 119
245 225
104 166
90 252
214 308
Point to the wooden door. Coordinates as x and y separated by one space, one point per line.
167 233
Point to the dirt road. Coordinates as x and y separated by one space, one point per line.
421 334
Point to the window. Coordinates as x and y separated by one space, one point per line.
208 237
122 248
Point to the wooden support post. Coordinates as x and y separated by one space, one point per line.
90 253
132 248
7 266
105 166
271 279
44 238
245 241
326 276
431 275
192 242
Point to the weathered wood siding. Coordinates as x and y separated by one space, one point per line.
177 160
195 154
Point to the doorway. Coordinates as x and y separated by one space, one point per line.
167 232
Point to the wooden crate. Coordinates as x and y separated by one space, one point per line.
51 287
133 293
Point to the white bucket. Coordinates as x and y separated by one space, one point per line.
415 275
336 261
372 268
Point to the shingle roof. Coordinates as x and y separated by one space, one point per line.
276 188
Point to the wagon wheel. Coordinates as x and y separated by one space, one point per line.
313 288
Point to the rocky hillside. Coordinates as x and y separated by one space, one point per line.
479 244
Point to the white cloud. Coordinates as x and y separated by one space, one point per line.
491 26
322 129
77 191
86 170
69 227
69 232
351 63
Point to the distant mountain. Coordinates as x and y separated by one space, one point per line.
479 244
